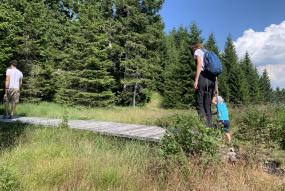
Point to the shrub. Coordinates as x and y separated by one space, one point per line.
280 122
186 133
258 127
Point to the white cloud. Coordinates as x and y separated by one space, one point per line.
267 50
276 73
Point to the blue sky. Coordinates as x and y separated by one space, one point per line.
256 26
223 17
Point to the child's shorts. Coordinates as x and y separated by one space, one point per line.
226 124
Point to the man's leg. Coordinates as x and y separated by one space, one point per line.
6 106
13 109
14 101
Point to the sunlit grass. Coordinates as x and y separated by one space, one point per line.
40 158
147 114
64 159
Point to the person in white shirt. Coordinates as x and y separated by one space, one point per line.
204 86
13 83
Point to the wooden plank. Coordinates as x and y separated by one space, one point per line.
133 131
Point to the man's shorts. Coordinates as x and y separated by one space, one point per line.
12 97
226 124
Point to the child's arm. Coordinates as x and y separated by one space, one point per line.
214 100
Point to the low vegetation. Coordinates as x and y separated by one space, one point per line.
40 158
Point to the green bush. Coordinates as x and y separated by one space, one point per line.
280 122
188 134
255 126
258 126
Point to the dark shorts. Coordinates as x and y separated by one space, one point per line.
226 124
12 96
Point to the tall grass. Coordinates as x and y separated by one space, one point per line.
39 158
64 159
138 115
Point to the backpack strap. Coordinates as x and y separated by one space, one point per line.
204 50
217 88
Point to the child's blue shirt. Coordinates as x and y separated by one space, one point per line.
222 111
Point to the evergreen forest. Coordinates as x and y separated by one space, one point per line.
115 52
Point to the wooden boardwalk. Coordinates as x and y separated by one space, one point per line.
140 132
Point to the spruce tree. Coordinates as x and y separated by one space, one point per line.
212 45
251 77
238 88
135 39
195 34
10 35
187 67
172 86
180 73
33 50
277 96
265 87
83 77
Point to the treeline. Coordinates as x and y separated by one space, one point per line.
239 83
106 52
87 52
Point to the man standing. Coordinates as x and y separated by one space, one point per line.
13 83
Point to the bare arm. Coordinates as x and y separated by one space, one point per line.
198 71
7 82
214 101
21 81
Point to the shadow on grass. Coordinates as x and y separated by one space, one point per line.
10 134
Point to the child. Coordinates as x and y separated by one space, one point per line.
223 116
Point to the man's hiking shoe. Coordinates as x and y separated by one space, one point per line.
10 117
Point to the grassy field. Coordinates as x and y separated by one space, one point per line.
139 115
39 158
42 159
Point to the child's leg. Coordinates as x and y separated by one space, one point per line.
228 137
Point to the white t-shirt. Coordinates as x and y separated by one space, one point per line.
15 77
200 52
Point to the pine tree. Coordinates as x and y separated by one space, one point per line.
212 45
83 77
180 72
277 96
33 50
265 87
252 78
171 88
195 34
10 35
238 89
136 37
